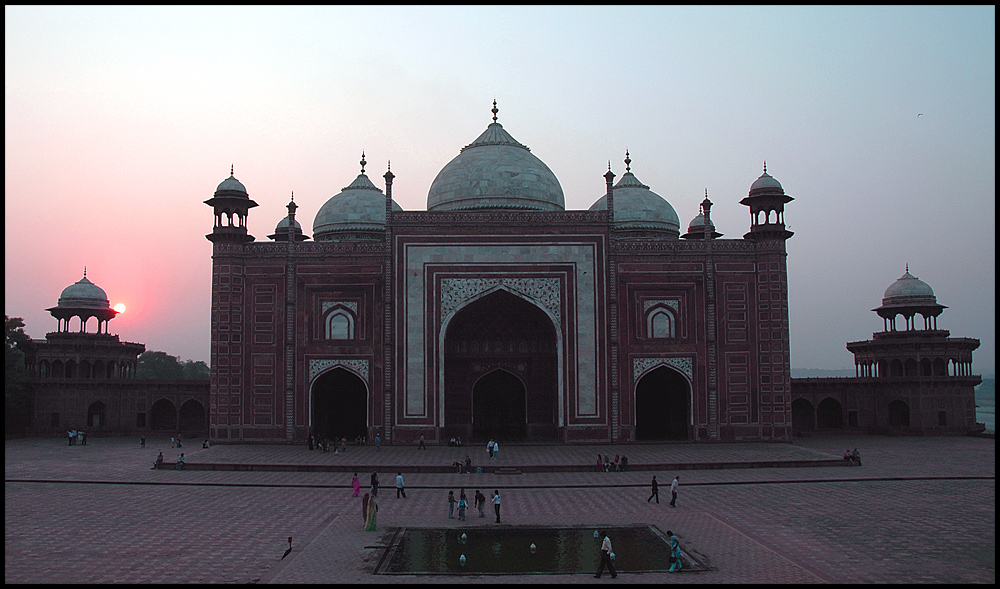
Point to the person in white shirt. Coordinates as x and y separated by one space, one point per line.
496 503
496 451
606 559
400 490
673 492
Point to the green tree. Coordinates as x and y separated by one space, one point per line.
196 370
159 365
16 392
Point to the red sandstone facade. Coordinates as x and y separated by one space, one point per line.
500 319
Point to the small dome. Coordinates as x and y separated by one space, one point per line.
638 207
766 184
231 185
283 225
699 223
908 290
83 295
495 172
358 207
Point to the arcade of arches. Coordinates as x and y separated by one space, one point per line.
339 405
500 371
164 416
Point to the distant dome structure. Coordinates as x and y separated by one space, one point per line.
281 231
639 209
357 212
83 299
702 225
909 296
231 187
495 172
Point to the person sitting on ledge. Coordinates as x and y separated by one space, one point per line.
856 457
180 462
159 461
451 442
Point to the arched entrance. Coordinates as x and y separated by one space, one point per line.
803 416
339 405
163 416
830 414
193 417
499 408
899 414
500 352
661 406
97 415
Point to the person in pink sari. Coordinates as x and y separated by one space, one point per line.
356 484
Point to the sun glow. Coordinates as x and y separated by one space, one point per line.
120 307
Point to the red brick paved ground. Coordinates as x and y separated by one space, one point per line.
919 510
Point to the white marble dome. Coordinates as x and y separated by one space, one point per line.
359 207
495 172
231 184
83 295
639 208
909 290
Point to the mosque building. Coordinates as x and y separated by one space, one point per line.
498 313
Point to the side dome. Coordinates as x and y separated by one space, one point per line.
908 290
637 208
495 172
766 184
231 187
358 211
83 295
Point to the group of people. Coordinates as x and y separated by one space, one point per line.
324 444
77 437
673 491
619 464
608 556
852 457
493 449
463 466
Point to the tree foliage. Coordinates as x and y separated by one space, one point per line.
160 365
16 392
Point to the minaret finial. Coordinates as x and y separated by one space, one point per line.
293 196
85 271
363 162
627 162
494 110
765 166
231 168
907 269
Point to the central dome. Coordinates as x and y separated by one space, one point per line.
495 172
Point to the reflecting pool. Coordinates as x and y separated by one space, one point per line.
508 550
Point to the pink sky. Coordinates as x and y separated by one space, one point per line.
120 122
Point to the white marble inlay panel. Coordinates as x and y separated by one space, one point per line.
359 367
641 366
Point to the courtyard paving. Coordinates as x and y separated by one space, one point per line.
919 510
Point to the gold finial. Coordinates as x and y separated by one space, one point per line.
363 162
494 110
627 162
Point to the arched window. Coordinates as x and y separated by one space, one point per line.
660 323
895 368
940 368
340 324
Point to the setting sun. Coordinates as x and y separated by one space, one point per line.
120 307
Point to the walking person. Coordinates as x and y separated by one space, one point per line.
356 484
606 559
480 500
400 490
496 503
421 446
489 448
451 504
463 504
311 442
371 518
675 553
673 492
496 451
656 490
374 484
142 441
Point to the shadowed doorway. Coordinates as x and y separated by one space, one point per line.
661 406
340 405
498 407
500 371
